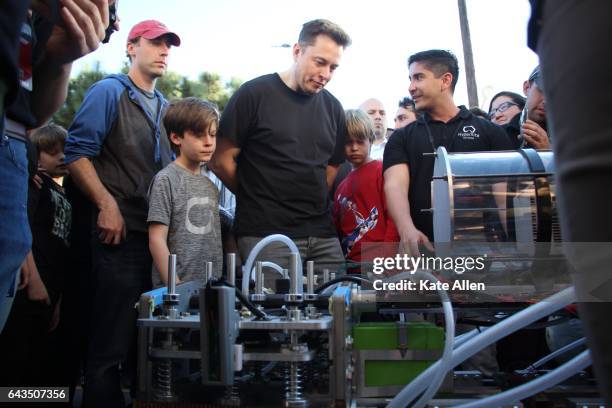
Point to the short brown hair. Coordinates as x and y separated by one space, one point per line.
49 138
189 114
314 28
359 125
133 41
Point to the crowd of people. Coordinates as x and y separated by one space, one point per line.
148 178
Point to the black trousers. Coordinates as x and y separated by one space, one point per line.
24 344
121 273
574 50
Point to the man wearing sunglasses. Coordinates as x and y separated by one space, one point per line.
534 128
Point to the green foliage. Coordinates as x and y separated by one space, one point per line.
172 85
76 91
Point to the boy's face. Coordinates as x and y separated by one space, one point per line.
197 147
53 162
357 151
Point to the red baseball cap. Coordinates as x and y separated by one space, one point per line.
152 29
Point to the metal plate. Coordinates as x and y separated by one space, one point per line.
322 323
175 354
291 356
188 322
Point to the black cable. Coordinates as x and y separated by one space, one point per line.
532 326
346 278
243 299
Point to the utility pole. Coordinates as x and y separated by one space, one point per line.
470 72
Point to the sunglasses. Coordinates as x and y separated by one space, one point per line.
501 108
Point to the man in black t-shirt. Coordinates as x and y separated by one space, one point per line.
408 163
281 140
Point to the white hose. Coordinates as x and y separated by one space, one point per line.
578 363
491 335
459 340
446 359
271 265
248 267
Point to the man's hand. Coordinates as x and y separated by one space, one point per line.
410 241
24 270
111 224
37 292
55 317
37 179
535 135
83 28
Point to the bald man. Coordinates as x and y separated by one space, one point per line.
375 109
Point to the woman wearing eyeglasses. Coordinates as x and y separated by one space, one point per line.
506 106
505 110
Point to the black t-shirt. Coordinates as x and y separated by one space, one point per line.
50 215
463 133
287 139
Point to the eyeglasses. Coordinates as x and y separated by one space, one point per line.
502 108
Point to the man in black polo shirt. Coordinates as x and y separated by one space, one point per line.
408 166
280 142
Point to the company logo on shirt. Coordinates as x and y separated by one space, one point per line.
468 133
195 229
62 216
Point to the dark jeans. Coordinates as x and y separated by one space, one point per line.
121 274
576 65
15 235
72 335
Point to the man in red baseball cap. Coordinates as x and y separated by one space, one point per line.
152 29
115 145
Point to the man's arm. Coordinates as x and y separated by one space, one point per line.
36 289
331 173
397 183
84 25
223 163
110 221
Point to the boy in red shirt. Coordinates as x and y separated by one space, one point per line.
360 211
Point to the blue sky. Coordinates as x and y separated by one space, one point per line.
237 38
